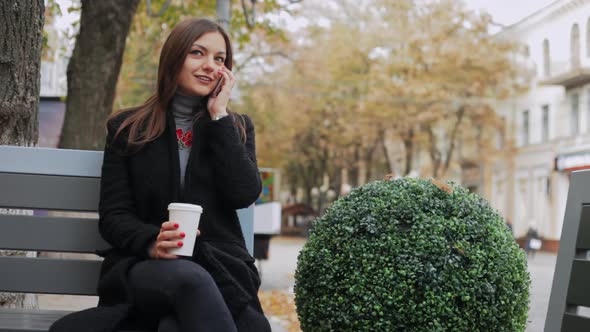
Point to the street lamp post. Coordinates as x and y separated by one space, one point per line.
223 13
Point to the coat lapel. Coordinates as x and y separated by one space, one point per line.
192 155
170 135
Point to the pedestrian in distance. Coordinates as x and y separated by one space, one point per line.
509 225
182 145
533 241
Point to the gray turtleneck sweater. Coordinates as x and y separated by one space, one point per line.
184 109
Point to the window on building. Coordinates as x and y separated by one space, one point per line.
575 114
588 37
546 58
575 46
545 133
525 128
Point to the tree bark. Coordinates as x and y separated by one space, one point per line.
354 170
93 71
440 166
435 155
408 141
369 156
21 41
453 139
21 31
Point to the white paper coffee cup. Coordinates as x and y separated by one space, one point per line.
187 217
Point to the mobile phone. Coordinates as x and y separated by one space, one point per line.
217 87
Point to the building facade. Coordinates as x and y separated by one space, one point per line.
548 129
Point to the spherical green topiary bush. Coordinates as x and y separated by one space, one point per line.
411 255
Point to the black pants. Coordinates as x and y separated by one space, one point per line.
180 296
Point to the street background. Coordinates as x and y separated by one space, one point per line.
492 95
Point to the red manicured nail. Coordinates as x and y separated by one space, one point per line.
176 225
180 243
182 235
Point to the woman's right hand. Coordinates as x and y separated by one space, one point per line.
169 238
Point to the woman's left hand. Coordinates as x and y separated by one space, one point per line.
217 106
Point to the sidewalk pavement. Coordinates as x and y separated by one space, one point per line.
278 274
541 268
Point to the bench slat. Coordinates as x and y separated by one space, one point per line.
47 192
579 288
246 217
12 320
574 323
50 161
41 233
49 276
583 240
28 320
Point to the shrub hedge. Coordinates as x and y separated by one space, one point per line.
411 255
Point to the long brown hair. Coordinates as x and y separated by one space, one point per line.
148 121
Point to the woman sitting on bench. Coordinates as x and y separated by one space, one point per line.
181 145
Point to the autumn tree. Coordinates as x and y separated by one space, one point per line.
449 70
94 68
315 100
381 84
93 71
21 31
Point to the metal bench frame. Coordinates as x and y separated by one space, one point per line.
55 180
571 279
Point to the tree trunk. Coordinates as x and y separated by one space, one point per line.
336 181
435 155
354 166
441 161
453 140
408 141
21 28
369 156
388 159
93 71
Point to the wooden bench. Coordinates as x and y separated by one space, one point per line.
53 180
570 291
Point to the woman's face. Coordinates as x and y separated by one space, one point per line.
199 71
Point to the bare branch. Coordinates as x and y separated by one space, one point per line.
453 139
162 10
250 20
260 55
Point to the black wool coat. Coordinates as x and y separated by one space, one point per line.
136 188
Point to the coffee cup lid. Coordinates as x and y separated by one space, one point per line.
185 206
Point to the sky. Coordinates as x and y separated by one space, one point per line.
504 12
507 12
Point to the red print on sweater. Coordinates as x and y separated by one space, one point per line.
185 139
